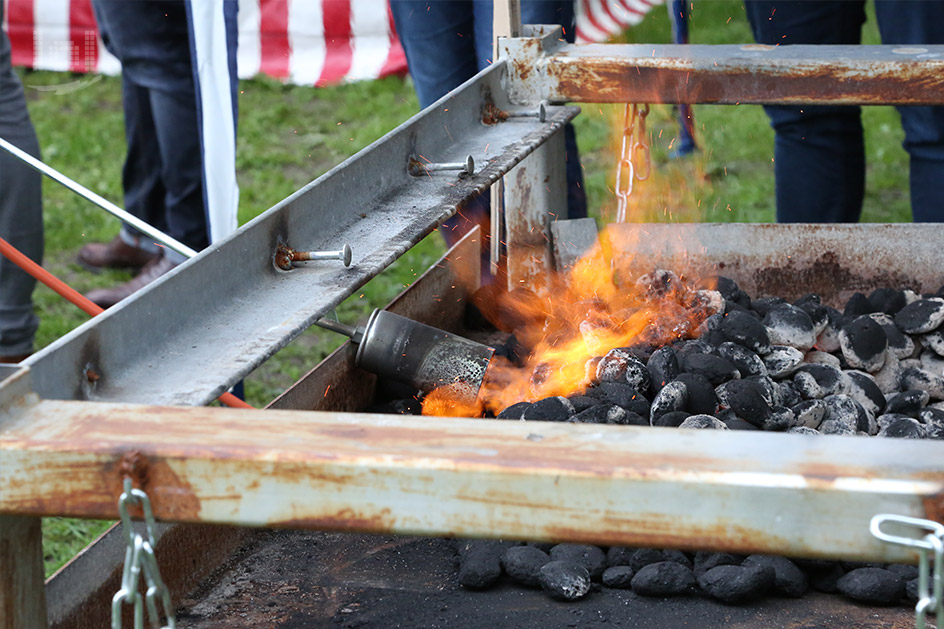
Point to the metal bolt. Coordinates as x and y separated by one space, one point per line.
418 168
540 114
285 256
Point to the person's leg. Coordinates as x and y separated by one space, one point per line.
21 220
819 153
913 23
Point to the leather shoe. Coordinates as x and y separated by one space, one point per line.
116 254
108 297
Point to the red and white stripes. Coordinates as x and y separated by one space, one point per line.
306 42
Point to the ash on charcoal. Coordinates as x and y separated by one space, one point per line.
807 385
916 378
744 360
515 411
590 557
828 339
711 323
480 563
708 302
618 365
666 578
908 402
934 341
564 580
782 360
672 419
872 585
923 315
933 420
763 305
789 580
523 564
683 349
672 397
659 283
861 387
899 343
701 395
931 362
826 379
780 419
714 368
619 577
787 394
738 584
619 555
582 402
703 422
803 430
903 570
744 329
551 409
600 414
842 409
705 561
788 325
863 343
621 395
826 579
663 368
887 300
888 376
746 398
816 357
809 414
900 427
857 306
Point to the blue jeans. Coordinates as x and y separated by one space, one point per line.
819 153
163 171
446 43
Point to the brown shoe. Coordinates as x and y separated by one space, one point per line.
7 360
108 297
116 254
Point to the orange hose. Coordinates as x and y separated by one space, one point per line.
77 298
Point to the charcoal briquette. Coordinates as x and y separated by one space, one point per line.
692 346
899 343
782 360
701 395
787 394
551 409
708 302
619 555
781 418
887 300
807 385
931 362
714 368
788 325
746 330
917 378
908 402
728 288
872 585
663 368
789 580
903 570
642 557
769 387
677 556
620 394
900 427
828 339
920 316
861 387
601 414
671 419
887 378
857 306
828 379
659 283
515 411
627 418
843 409
736 423
666 578
713 337
564 580
746 399
672 397
762 305
803 430
705 561
702 422
619 577
738 584
618 365
745 361
480 566
582 402
934 341
826 579
590 557
933 421
911 590
863 343
816 357
523 564
809 414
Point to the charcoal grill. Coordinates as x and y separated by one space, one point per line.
68 440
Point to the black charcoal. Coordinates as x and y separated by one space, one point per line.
714 368
788 325
807 385
738 584
780 419
809 414
825 579
621 395
923 315
582 402
762 305
666 578
619 577
899 343
736 423
746 399
619 555
828 339
747 362
861 387
672 397
818 313
887 300
672 419
828 379
515 411
789 580
903 570
916 378
900 427
523 564
551 409
642 557
787 394
857 306
872 585
693 346
678 557
663 368
701 395
703 422
863 343
619 365
782 360
746 330
705 561
564 580
480 565
590 557
601 414
844 410
908 402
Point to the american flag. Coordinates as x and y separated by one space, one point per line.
305 42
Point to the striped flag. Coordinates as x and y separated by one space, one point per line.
305 42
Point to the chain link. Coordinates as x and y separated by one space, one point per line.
140 557
634 163
932 542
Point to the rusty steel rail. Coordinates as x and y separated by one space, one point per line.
783 494
544 68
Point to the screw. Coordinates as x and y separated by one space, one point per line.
285 256
540 114
418 168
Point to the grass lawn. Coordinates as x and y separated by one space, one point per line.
289 135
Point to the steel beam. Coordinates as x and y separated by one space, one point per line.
771 493
189 336
544 68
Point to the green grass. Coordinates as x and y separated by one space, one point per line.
289 135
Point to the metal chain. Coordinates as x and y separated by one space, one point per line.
139 557
931 542
634 163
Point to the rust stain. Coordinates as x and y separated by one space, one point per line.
344 520
934 507
492 115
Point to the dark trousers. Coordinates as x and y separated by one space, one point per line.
449 41
819 153
21 211
163 172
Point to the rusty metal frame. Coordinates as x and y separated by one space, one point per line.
415 475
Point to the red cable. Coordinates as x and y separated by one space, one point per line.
77 298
